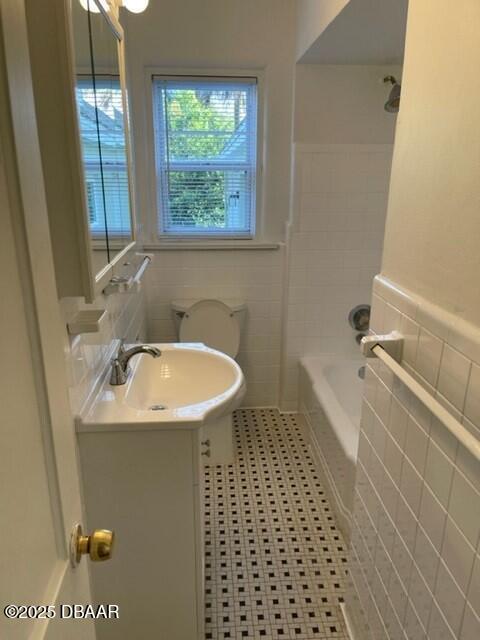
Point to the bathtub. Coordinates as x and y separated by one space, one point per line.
330 400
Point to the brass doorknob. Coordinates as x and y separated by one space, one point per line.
98 545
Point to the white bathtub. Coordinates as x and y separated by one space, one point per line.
330 401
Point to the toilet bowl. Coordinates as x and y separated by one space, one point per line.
216 323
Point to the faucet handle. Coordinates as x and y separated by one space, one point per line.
118 375
121 346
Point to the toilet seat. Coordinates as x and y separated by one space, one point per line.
213 323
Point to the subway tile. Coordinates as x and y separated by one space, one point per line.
412 625
395 296
472 403
416 445
473 594
429 355
410 331
432 517
411 484
401 559
383 399
449 597
466 462
420 595
438 473
458 555
471 625
393 459
398 422
392 319
464 507
377 314
453 376
406 523
441 436
426 557
398 594
438 628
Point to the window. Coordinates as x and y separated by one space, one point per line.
205 153
102 135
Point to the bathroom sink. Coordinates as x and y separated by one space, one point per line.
187 383
184 376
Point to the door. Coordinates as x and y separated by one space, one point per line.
39 484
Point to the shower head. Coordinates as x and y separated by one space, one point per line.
392 105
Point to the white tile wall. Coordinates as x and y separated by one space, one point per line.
426 489
335 246
253 276
88 355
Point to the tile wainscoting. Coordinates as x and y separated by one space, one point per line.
415 563
253 276
87 355
335 247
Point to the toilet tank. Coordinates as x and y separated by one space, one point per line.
181 306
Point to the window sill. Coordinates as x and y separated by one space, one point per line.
212 245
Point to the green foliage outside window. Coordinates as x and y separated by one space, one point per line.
198 130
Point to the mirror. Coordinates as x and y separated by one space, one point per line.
103 131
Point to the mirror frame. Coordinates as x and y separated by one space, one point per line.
102 278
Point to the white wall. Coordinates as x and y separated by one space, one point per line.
219 34
433 226
253 276
312 18
343 104
342 168
415 545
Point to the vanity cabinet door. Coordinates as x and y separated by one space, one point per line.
199 498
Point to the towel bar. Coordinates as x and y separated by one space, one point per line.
378 346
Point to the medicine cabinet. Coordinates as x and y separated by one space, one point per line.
77 58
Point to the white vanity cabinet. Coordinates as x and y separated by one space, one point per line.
148 485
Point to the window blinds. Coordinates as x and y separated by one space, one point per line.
102 134
205 151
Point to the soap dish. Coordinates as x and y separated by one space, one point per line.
87 321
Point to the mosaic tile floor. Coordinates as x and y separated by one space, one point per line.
275 560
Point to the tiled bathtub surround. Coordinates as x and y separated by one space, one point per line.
336 237
254 276
88 355
415 562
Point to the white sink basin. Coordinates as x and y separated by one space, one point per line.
187 383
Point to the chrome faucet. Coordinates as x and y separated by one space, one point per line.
120 368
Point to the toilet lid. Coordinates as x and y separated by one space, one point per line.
213 323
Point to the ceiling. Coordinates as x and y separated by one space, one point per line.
364 32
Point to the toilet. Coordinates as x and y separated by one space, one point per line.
216 323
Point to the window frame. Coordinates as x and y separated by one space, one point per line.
154 225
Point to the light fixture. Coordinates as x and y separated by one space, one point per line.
89 5
135 6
